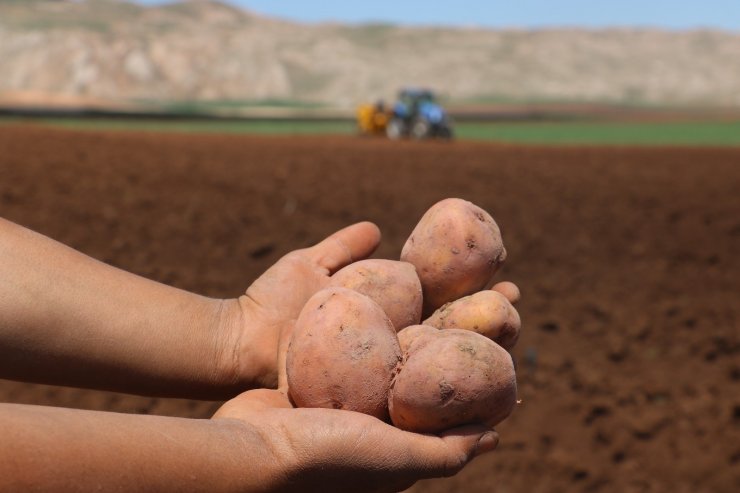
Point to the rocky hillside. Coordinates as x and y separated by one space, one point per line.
199 49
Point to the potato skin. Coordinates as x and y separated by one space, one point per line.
488 313
452 378
410 334
456 249
391 284
343 354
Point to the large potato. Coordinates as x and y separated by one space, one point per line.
391 284
488 313
343 354
451 378
456 248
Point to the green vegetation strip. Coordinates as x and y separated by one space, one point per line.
662 133
566 133
198 126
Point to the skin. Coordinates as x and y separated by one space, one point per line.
68 319
255 443
510 290
130 334
340 450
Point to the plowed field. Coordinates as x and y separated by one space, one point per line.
629 363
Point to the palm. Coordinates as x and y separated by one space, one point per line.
348 451
272 303
280 293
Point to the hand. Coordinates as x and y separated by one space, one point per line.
259 323
336 450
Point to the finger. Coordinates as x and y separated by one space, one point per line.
445 455
510 290
282 366
474 440
352 243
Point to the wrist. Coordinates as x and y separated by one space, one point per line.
247 355
263 461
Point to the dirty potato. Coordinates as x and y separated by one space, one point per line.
456 249
452 378
343 354
488 313
391 284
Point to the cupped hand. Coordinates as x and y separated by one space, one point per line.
336 450
257 326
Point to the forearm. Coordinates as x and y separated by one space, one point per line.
68 319
54 449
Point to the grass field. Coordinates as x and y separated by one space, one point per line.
580 132
667 133
198 126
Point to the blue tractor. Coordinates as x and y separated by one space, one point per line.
416 114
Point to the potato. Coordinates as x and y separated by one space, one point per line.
391 284
407 336
343 354
452 378
510 290
488 313
456 248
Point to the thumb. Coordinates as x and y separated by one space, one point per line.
347 245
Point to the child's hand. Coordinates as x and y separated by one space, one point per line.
259 323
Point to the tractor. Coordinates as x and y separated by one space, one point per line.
416 114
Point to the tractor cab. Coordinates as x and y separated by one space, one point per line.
411 100
416 113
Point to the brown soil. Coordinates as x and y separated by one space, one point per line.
629 366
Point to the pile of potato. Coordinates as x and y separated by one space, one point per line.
359 343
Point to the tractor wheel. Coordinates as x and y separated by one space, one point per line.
445 133
420 130
396 129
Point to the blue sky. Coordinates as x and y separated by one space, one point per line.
676 14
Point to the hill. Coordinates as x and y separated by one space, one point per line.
115 50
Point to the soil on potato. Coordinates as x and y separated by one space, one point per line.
629 363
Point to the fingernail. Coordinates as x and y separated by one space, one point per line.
487 443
